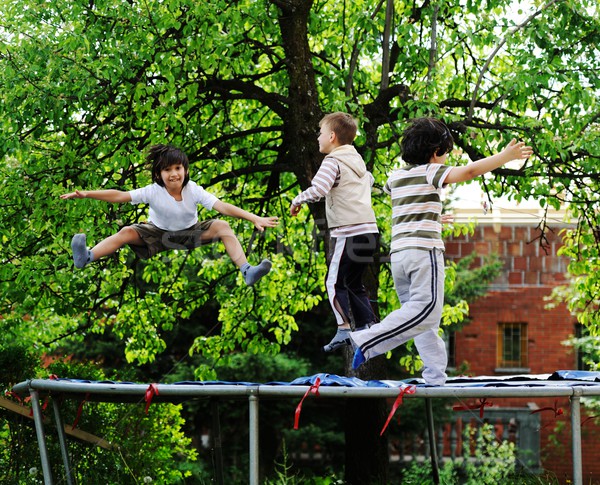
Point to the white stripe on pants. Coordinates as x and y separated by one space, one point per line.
332 276
419 281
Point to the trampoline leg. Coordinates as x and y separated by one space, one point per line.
39 430
432 448
576 438
216 425
253 440
62 441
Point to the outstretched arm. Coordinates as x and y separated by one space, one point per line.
320 186
261 223
110 195
513 151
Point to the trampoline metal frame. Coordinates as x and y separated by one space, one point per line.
135 393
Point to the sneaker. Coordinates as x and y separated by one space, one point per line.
340 339
359 358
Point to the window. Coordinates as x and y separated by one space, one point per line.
512 346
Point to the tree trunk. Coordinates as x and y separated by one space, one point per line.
366 452
299 147
367 458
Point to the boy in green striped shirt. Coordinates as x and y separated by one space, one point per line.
417 247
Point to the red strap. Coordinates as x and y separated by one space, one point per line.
79 409
18 398
14 395
150 393
482 404
404 390
27 400
52 377
314 388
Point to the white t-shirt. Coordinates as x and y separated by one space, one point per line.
169 214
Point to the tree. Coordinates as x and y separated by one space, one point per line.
85 87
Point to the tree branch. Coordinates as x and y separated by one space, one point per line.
355 53
385 59
275 101
232 174
433 44
486 66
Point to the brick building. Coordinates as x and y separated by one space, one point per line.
513 331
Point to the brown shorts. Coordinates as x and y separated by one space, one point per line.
157 240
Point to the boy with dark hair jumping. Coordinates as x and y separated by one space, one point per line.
173 217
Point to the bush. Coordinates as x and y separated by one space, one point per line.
493 463
146 448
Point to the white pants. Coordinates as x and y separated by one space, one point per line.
419 281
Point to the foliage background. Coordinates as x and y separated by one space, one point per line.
86 87
241 86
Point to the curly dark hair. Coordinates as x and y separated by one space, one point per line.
163 156
423 138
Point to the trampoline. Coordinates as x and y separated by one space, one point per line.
567 383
